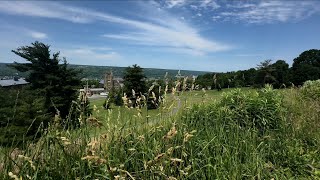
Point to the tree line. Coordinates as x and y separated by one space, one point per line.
305 67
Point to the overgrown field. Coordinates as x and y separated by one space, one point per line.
233 134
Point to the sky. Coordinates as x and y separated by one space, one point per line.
204 35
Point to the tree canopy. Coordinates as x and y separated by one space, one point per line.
54 81
134 79
306 66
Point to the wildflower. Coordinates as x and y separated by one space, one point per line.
65 141
159 156
170 150
161 168
13 176
94 144
176 161
183 172
131 149
173 90
145 164
187 136
95 108
150 89
173 131
154 95
171 178
118 177
113 169
94 121
95 159
133 93
29 160
187 168
141 138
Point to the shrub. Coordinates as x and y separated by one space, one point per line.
311 89
261 109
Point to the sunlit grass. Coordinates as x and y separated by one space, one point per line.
212 135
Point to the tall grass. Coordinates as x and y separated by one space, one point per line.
260 134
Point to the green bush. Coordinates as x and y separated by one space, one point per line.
311 89
261 109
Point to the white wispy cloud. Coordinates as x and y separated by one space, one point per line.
251 11
198 4
45 9
87 54
209 4
38 35
174 3
23 31
259 12
157 30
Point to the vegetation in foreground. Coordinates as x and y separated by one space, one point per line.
261 134
241 134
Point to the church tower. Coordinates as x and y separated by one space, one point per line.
108 81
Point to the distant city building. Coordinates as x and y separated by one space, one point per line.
15 82
110 82
92 91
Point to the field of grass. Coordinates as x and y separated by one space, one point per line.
230 134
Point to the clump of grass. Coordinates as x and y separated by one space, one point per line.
311 89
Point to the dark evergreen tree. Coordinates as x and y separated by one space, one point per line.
134 79
54 81
21 115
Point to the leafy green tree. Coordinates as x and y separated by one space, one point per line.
54 81
306 67
134 79
264 73
280 73
249 76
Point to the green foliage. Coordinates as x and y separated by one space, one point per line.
306 66
118 98
134 79
264 73
21 114
205 142
96 72
55 82
261 110
311 89
281 74
230 150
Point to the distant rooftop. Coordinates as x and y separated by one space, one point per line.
12 82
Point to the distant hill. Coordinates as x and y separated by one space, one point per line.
97 72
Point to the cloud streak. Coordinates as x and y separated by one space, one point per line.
250 11
265 12
38 35
96 55
154 31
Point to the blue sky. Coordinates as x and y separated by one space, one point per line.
208 35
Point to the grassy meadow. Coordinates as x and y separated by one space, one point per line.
230 134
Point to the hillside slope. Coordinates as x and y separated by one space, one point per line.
96 72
